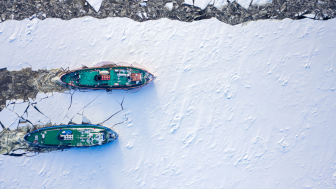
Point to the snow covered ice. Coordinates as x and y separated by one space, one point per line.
245 106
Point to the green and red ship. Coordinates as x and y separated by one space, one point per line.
108 75
82 135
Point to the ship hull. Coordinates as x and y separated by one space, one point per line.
83 135
108 77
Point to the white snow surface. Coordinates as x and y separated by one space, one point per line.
95 4
245 106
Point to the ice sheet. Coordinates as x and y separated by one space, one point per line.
246 106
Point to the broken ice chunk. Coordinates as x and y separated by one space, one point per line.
85 120
169 6
95 4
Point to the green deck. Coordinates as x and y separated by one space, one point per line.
86 78
81 136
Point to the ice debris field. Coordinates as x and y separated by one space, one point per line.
245 106
96 4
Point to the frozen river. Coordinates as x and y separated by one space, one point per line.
245 106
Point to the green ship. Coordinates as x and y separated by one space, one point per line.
82 135
108 75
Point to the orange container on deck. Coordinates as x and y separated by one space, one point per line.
105 77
